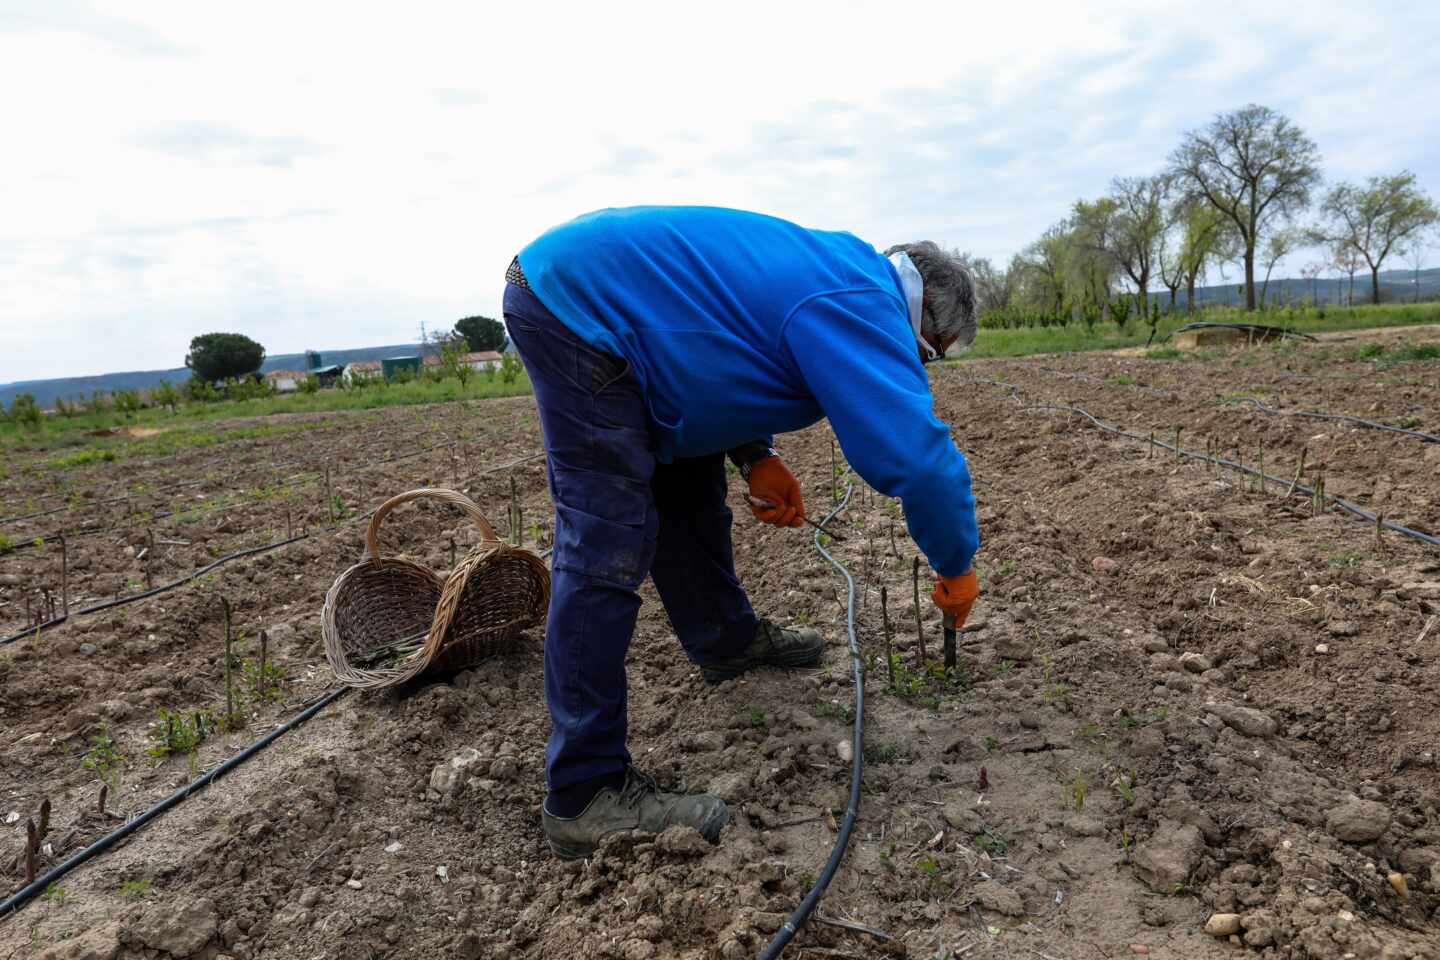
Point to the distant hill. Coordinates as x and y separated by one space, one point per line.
1396 286
72 388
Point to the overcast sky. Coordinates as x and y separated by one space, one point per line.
317 175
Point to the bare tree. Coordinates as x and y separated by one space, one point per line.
995 287
1377 219
1311 271
1256 168
1346 260
1138 227
1281 244
1170 265
1416 253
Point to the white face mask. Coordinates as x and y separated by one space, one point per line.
914 288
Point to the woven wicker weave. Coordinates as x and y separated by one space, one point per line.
381 602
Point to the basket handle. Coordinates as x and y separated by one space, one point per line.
372 534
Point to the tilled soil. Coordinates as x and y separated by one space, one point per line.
1179 697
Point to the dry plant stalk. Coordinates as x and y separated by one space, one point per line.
32 844
264 655
1299 472
915 582
229 686
64 574
885 619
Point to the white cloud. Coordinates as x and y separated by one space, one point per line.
333 174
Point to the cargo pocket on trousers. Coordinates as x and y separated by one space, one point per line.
606 526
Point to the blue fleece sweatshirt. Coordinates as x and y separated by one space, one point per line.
740 325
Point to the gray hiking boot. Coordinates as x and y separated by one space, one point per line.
639 805
773 646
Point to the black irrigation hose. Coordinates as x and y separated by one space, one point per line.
133 597
195 483
1346 418
802 913
292 481
163 588
1342 503
1262 329
14 902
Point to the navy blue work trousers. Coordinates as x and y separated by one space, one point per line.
619 514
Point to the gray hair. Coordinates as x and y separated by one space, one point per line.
949 291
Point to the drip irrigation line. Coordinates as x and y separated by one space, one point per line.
290 482
14 902
802 913
1346 505
220 479
221 561
1259 329
1346 418
145 594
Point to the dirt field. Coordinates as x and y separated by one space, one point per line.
1181 696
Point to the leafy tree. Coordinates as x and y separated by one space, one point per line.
25 412
165 395
220 356
1204 241
1091 267
1376 220
97 402
308 384
510 367
127 402
200 390
65 408
482 333
1255 167
1044 267
452 359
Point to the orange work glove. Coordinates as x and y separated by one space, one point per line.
772 481
956 595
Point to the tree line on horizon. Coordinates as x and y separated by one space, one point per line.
1237 190
226 366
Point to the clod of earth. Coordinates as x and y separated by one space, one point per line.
1195 663
963 817
1166 860
101 943
447 777
178 932
1358 821
999 899
1014 646
1246 720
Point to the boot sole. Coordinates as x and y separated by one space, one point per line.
710 830
799 658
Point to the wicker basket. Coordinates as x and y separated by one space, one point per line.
387 620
